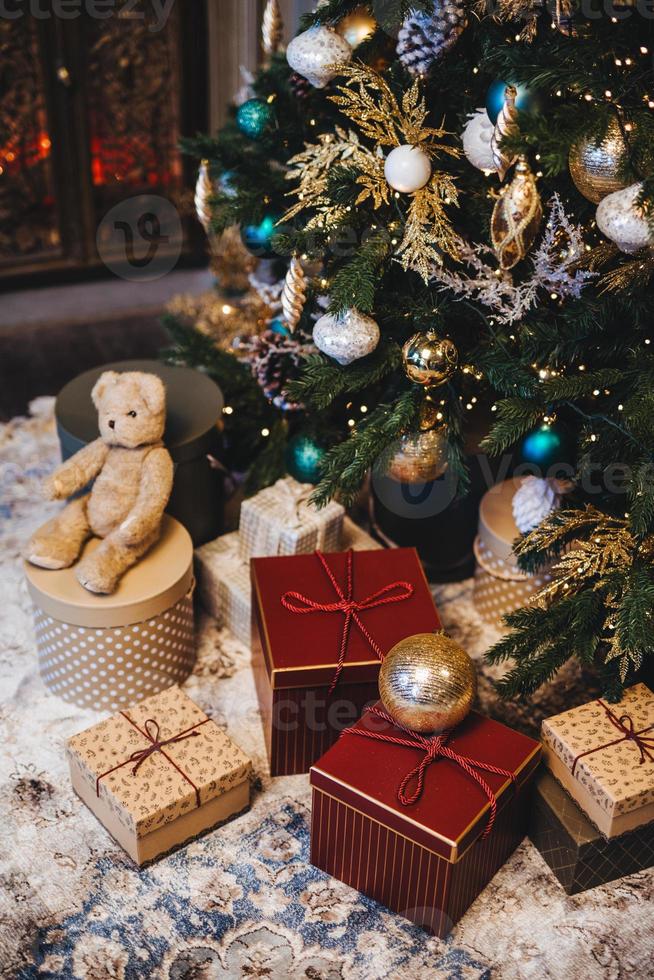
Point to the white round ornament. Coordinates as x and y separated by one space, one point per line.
316 54
407 169
622 221
347 337
477 141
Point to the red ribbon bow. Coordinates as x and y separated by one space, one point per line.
296 602
156 745
434 747
625 725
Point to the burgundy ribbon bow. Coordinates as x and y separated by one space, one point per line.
296 602
157 744
434 747
625 725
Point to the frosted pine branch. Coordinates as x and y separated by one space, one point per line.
554 266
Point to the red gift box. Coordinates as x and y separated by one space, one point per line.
297 644
427 861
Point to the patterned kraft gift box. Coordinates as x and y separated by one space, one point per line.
280 520
224 578
316 663
426 856
603 755
158 774
581 857
106 651
500 586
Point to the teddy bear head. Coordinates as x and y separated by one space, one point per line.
131 408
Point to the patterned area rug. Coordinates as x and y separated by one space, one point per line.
244 901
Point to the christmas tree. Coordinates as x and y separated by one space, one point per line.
454 205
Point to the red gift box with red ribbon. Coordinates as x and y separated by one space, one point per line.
419 824
321 625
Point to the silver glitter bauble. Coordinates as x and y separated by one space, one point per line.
477 138
347 337
621 219
428 683
317 53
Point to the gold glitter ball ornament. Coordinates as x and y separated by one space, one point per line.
595 167
428 683
420 457
430 360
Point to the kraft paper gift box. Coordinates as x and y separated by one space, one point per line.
501 586
581 857
603 755
224 578
159 774
281 520
315 669
420 834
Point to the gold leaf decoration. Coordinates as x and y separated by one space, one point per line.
600 557
425 232
517 217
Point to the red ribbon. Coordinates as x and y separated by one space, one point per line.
434 747
625 725
156 745
296 602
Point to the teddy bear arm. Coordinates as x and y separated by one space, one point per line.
76 472
154 493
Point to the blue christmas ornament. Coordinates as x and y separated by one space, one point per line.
254 117
258 238
303 459
525 102
545 447
278 326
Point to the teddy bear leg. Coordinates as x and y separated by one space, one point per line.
58 543
102 570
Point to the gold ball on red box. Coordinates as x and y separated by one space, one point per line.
428 683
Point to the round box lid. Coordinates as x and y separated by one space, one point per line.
156 583
194 405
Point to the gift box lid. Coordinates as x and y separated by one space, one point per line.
194 405
453 810
197 762
302 650
498 530
159 580
608 749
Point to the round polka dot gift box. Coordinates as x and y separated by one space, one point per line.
106 652
500 586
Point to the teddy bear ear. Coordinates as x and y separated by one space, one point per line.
104 381
153 392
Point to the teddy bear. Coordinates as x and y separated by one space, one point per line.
132 474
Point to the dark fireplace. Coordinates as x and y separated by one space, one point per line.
92 105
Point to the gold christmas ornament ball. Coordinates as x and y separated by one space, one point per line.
595 167
430 360
420 457
428 683
357 27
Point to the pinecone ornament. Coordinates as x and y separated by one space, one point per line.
533 501
424 38
300 86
